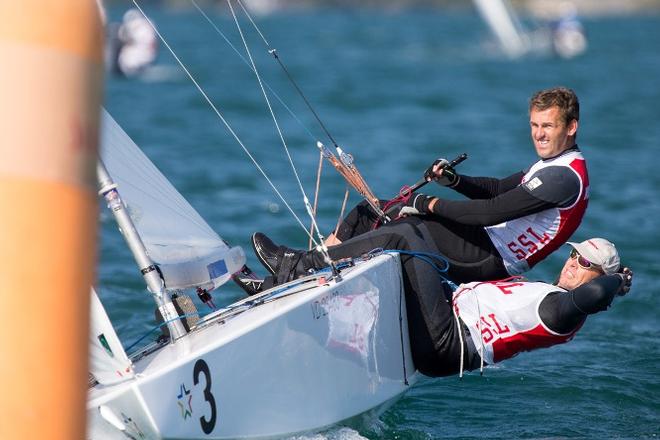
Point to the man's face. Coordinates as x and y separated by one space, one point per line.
550 134
573 275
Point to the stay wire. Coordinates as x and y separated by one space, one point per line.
220 116
273 52
277 126
345 167
162 324
233 47
317 188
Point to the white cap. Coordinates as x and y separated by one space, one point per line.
600 252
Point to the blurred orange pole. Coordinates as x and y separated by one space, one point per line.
50 95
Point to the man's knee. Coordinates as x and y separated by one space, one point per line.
358 221
407 234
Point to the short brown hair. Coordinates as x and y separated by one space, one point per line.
561 97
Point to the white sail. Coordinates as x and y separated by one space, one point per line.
108 362
185 248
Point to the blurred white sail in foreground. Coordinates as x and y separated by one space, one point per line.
107 360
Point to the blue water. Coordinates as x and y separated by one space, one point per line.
398 90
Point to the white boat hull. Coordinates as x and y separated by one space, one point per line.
296 363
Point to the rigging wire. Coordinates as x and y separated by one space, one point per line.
220 116
233 47
317 188
279 132
250 64
344 165
341 212
273 52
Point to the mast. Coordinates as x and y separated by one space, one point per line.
148 269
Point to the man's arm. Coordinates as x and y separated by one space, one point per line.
548 188
486 187
508 206
562 312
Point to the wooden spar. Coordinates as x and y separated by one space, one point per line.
50 84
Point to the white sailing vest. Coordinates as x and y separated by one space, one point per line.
503 317
525 241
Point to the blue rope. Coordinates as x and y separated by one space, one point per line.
428 257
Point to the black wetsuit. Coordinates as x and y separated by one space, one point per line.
456 233
432 327
562 312
456 227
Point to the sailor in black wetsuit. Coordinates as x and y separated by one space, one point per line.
497 320
482 323
508 226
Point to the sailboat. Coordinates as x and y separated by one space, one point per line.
299 357
505 26
563 36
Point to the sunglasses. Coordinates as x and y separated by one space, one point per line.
583 262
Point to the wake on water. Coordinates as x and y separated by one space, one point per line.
333 434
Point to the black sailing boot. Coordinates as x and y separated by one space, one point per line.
284 263
266 252
248 281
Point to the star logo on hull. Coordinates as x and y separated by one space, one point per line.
184 400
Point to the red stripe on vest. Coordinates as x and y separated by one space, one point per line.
538 337
570 218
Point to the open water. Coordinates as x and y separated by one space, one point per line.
398 90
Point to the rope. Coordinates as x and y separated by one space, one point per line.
231 45
220 116
427 257
316 195
338 165
460 341
403 355
341 213
321 245
481 353
277 125
344 164
273 52
471 289
187 315
404 195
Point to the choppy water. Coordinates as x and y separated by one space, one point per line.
398 90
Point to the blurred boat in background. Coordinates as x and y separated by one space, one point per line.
561 34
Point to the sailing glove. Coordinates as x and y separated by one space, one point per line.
626 275
417 204
448 177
